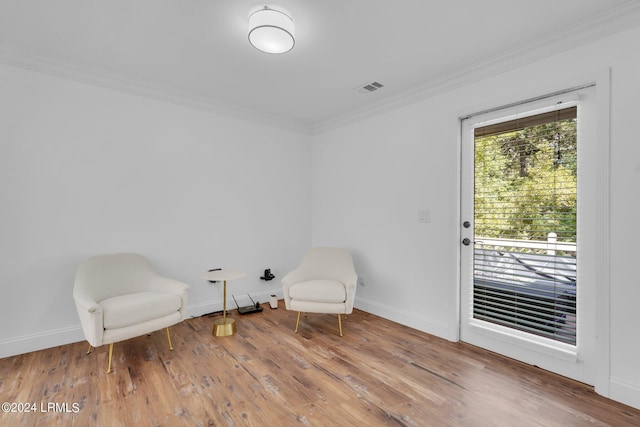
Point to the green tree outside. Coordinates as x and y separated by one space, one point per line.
526 183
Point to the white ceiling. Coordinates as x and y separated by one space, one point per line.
198 49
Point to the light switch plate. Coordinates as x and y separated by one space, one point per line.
424 216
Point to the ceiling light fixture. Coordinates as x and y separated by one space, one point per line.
271 31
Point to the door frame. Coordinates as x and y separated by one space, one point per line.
601 78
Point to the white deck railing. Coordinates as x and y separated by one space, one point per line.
551 245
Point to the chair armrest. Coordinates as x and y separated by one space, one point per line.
351 283
171 286
91 318
87 305
294 276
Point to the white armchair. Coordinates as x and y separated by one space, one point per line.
120 296
324 282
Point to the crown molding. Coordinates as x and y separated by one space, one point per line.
617 20
38 62
620 19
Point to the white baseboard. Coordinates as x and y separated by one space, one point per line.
406 318
40 341
53 338
625 392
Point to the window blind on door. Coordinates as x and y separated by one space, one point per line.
525 213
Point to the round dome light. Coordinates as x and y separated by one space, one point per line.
271 31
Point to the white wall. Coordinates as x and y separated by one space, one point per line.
370 180
86 170
371 177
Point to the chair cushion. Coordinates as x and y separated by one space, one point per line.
327 291
131 309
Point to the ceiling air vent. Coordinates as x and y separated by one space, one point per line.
369 87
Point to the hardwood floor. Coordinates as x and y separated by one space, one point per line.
380 373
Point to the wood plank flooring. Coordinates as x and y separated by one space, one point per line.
380 373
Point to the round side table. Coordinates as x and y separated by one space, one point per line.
226 326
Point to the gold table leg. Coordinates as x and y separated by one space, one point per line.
226 326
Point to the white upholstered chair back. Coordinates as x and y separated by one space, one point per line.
106 276
327 263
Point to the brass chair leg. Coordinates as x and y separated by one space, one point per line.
340 324
169 338
90 348
110 356
297 323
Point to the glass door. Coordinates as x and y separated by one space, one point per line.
520 285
